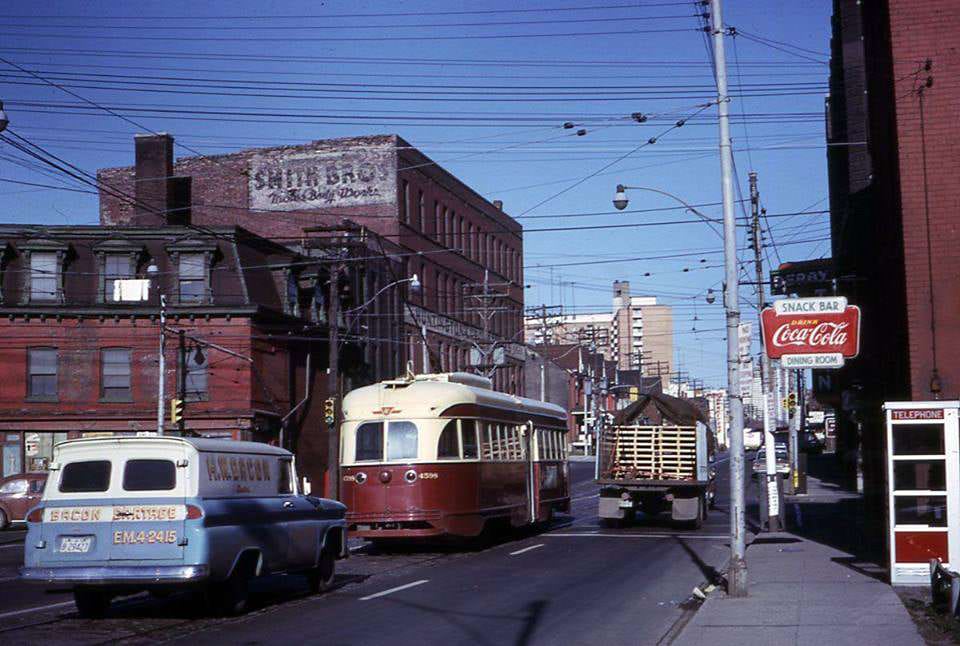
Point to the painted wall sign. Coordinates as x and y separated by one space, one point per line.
812 326
804 278
295 181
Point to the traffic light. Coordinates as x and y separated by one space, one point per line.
792 402
329 410
176 411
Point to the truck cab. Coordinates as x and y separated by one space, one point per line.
158 513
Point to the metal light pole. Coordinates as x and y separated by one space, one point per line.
737 570
154 273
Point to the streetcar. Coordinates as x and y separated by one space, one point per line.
444 455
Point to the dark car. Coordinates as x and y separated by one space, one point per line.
18 494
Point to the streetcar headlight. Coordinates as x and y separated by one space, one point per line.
410 476
360 477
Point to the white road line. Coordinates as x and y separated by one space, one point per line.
596 495
710 537
27 611
526 549
386 592
10 546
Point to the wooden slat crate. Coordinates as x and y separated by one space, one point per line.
649 453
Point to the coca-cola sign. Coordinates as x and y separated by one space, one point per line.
811 326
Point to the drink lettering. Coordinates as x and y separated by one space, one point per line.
822 335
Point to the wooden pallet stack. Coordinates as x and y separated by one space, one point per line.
651 452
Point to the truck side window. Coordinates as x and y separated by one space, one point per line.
149 475
86 476
285 481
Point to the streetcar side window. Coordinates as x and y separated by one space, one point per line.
402 440
369 441
487 441
502 443
448 447
553 444
468 430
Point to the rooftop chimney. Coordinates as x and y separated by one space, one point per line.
498 204
154 169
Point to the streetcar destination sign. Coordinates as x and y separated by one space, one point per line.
811 332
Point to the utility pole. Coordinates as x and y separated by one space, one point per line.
182 377
162 365
773 519
737 570
333 381
486 310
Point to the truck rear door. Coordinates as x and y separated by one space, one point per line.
149 511
77 512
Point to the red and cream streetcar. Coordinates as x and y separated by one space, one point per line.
446 455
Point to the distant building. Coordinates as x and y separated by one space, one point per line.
637 332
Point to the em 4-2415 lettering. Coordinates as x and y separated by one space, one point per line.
145 537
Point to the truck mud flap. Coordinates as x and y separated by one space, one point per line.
685 509
610 508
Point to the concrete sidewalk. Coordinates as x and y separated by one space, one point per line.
804 592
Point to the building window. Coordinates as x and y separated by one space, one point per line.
44 276
196 371
115 375
115 267
447 228
437 233
42 373
192 276
420 211
404 202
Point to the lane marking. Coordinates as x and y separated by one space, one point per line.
710 537
596 495
27 611
526 549
390 591
11 545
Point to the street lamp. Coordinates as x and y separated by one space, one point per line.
153 272
620 202
711 297
415 285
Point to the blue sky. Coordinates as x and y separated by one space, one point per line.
510 79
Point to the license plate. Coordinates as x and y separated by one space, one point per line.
626 504
75 544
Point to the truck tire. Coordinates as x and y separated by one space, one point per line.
91 603
229 598
321 577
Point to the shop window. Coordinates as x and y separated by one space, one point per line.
42 365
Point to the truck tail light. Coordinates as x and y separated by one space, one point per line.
35 515
194 512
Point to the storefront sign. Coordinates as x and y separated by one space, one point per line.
305 180
805 278
804 327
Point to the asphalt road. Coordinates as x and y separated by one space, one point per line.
575 582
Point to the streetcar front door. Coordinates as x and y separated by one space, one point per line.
533 477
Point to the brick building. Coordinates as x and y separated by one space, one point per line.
447 234
894 200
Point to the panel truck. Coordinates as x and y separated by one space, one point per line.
655 456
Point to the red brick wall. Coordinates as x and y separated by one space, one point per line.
922 30
233 389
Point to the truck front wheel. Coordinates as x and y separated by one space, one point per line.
321 577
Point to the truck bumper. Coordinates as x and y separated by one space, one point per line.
116 575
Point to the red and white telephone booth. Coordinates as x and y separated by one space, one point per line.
923 472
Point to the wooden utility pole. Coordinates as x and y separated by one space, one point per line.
333 382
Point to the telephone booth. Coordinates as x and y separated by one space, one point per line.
923 473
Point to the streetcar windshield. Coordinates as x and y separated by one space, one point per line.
401 441
370 442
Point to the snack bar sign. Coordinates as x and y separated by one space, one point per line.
811 332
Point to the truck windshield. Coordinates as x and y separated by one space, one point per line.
87 476
149 475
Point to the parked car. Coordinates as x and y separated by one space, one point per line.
811 442
783 462
162 513
17 495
